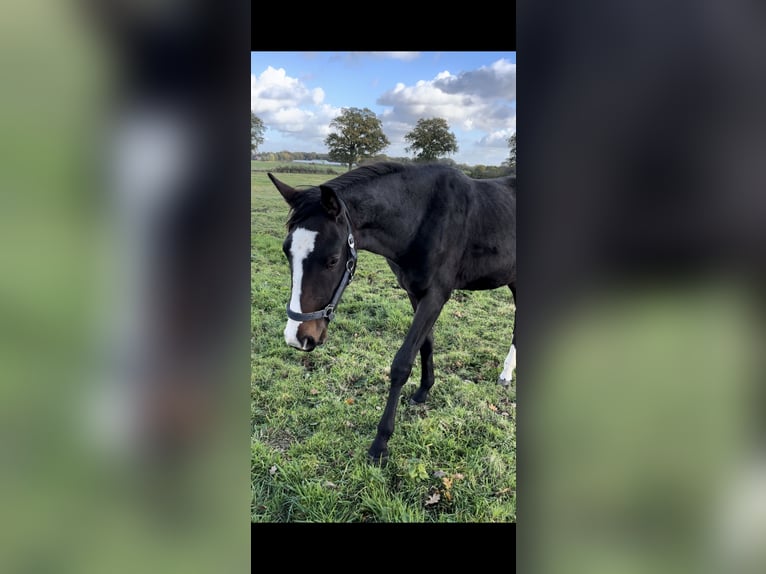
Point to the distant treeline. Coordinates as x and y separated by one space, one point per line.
476 171
290 156
304 168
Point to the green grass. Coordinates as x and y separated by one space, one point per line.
315 414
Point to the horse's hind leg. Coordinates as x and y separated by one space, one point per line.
427 371
426 363
508 367
510 361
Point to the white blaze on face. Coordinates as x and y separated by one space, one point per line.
300 248
509 365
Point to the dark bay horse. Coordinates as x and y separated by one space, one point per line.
438 229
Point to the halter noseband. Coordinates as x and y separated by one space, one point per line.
329 311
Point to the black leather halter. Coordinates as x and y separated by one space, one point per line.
329 311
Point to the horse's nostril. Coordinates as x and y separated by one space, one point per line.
308 343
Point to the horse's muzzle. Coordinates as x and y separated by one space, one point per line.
309 335
308 344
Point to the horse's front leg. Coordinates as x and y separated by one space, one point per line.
426 314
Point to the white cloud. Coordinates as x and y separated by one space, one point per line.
497 80
498 139
317 96
288 106
475 100
290 119
274 89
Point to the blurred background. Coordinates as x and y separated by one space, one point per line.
124 286
642 256
124 281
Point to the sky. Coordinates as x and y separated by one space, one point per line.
297 94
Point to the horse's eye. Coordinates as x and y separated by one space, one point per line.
332 262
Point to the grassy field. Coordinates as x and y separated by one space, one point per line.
314 414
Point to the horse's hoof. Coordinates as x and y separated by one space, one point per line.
414 402
378 459
503 382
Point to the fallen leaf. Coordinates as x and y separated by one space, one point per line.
503 491
458 476
433 499
349 424
439 473
448 495
350 401
447 482
492 407
328 484
273 470
313 392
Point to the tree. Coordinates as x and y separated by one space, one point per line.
359 136
511 161
256 132
431 139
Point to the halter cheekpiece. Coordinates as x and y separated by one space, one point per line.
329 311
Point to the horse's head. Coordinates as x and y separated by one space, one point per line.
322 256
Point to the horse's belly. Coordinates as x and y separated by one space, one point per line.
487 278
484 283
477 273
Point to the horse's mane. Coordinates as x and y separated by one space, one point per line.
364 174
307 202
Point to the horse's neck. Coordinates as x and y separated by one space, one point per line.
383 225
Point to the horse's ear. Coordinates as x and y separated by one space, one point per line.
287 192
330 202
